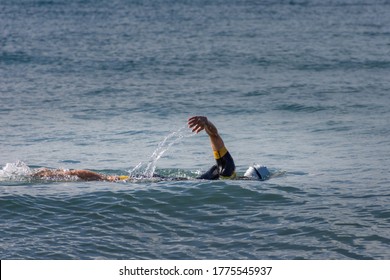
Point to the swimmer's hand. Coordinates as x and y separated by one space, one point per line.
199 123
115 178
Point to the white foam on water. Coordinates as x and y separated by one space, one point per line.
15 171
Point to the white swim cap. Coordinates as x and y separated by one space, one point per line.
257 172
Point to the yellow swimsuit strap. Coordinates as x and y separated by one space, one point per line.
220 153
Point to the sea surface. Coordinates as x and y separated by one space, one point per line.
302 87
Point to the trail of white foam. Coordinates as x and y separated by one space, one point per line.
146 170
15 171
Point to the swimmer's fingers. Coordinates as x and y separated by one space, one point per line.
192 122
112 178
197 123
198 128
197 119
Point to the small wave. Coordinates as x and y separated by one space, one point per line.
15 57
294 107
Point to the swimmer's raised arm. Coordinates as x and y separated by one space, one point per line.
225 167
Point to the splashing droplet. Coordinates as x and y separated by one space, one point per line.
146 170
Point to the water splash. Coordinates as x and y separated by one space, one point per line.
15 171
146 170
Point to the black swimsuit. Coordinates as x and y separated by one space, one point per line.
224 169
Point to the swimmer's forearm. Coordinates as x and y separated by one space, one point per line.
210 129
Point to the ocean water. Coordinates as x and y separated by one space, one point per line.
299 86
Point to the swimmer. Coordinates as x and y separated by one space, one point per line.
225 167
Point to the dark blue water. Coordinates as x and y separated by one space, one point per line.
299 86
